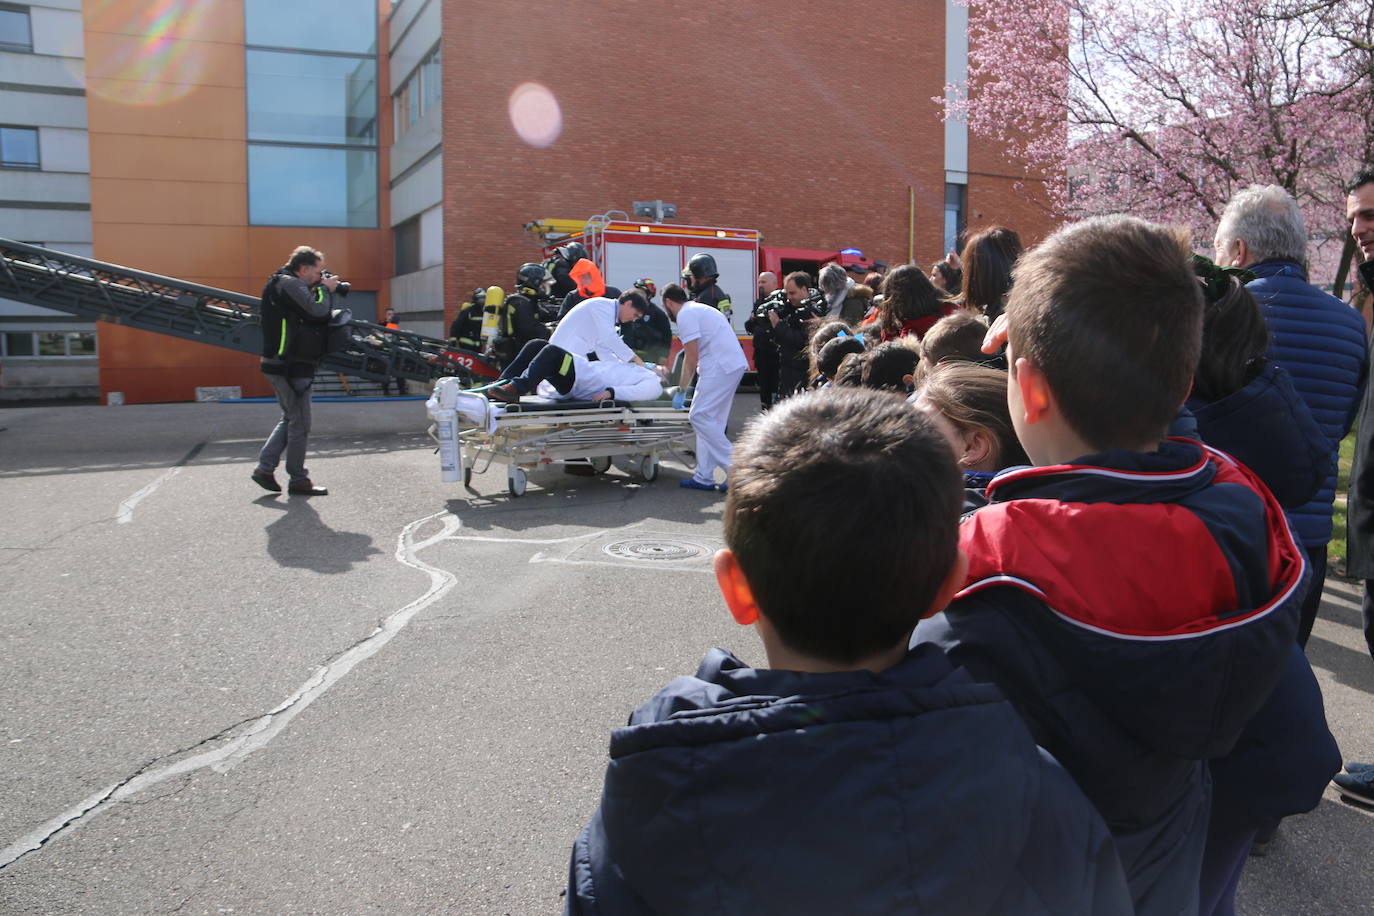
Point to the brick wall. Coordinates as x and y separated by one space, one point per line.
768 115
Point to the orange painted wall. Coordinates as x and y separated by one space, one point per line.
169 185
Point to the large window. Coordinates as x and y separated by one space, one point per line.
15 34
48 344
419 94
312 113
406 244
19 147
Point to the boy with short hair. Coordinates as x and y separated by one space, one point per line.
851 775
1135 597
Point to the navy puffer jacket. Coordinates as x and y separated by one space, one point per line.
1321 342
912 790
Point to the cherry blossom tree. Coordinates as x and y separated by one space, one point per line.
1165 109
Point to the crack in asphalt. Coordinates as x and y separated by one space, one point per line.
261 729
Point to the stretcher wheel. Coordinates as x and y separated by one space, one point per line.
516 481
467 477
601 463
648 468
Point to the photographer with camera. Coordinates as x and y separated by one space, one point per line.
295 314
792 312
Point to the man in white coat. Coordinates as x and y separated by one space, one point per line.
713 351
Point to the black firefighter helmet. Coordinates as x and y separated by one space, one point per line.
572 252
702 266
531 276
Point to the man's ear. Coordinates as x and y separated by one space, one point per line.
958 572
1034 389
734 588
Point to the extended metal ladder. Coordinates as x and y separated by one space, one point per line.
120 295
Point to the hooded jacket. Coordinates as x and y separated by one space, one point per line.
1138 608
1267 427
912 790
1321 342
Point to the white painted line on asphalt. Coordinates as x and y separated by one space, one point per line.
263 729
126 508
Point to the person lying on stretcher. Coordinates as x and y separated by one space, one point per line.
553 372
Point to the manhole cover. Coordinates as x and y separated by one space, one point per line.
653 549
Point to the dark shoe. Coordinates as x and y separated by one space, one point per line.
1356 786
506 393
1356 768
692 483
266 481
724 487
306 488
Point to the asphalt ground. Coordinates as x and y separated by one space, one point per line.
392 699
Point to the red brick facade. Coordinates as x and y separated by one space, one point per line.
771 116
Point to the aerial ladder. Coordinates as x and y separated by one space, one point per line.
96 290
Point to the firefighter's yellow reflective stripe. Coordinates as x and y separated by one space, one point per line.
281 340
567 364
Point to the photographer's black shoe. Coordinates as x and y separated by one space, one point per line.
306 488
266 481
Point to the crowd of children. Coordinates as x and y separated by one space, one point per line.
1069 679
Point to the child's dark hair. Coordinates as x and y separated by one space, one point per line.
1111 313
974 397
850 373
1235 335
954 337
819 338
852 467
988 258
833 353
887 366
907 295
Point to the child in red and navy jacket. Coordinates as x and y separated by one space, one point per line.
1135 597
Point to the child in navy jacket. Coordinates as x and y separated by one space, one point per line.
851 775
1137 598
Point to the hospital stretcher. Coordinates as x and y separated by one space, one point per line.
473 432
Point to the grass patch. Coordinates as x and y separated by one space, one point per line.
1335 552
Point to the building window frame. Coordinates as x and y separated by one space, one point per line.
25 46
43 340
31 166
420 92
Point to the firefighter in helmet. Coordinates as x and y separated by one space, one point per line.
703 274
518 321
560 265
466 330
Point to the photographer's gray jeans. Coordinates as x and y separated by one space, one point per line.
293 394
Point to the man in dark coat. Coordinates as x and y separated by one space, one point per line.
1360 521
1317 338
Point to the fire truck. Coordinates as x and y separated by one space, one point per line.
627 251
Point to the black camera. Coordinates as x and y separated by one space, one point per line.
342 288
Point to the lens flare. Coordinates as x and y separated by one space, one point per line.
155 57
535 115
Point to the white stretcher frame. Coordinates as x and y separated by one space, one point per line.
545 433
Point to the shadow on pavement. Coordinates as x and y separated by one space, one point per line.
300 539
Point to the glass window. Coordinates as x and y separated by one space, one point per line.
52 343
349 26
956 208
19 147
307 98
19 344
81 343
406 239
15 34
431 71
305 186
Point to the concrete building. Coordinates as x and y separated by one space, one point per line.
45 191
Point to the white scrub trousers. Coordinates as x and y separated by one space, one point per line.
710 412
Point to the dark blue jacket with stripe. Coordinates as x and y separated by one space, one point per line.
1138 609
1321 342
911 790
